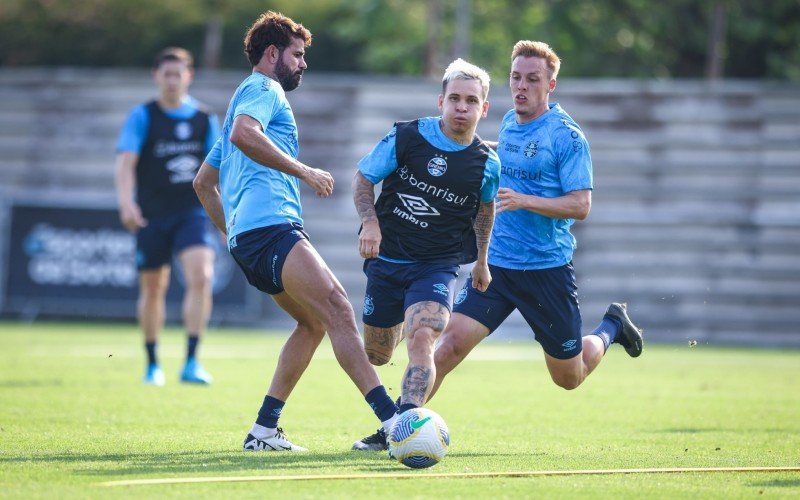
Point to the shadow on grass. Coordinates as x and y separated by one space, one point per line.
778 483
209 463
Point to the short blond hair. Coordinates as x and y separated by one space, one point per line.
462 70
528 48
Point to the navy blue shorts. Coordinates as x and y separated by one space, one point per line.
262 252
546 298
392 288
168 235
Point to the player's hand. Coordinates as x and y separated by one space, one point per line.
320 181
369 241
508 200
131 217
481 277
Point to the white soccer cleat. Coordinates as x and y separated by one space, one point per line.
278 442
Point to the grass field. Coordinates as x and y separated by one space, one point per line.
74 415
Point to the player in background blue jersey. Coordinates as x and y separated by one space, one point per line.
159 151
250 186
545 184
435 212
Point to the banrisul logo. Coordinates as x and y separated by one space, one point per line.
437 166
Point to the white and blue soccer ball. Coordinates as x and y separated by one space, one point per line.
419 438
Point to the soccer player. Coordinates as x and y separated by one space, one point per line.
250 186
545 184
159 151
434 212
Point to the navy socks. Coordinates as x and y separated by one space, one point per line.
270 412
607 330
380 402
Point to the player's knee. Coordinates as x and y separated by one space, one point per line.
338 304
378 358
568 381
312 328
422 340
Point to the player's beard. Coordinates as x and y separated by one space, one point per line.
288 80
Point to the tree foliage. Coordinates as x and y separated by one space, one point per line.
602 38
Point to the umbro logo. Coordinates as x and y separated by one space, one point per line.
441 289
570 345
417 205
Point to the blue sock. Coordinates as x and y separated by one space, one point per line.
151 353
407 406
607 330
380 402
191 345
270 412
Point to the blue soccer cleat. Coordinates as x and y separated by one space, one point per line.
194 373
154 376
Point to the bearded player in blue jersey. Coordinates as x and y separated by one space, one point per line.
250 186
159 151
546 183
435 212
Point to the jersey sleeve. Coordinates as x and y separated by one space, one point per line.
379 163
491 177
214 157
259 101
134 131
214 132
574 159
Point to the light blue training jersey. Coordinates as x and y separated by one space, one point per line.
254 195
134 131
379 163
547 157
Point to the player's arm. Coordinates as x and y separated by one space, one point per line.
573 205
484 221
130 214
206 185
369 240
248 136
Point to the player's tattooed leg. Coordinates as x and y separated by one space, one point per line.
379 343
415 384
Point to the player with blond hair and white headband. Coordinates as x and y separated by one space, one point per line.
435 212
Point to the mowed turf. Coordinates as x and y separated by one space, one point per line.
74 415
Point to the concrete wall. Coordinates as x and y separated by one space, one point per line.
696 214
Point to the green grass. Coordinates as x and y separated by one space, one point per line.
73 414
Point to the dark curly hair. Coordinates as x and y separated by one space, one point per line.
272 28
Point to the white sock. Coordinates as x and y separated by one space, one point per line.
387 424
261 432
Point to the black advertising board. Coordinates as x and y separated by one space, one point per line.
79 261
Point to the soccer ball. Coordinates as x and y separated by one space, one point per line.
419 438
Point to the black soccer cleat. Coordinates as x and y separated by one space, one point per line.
630 336
374 442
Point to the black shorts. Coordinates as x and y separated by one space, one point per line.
262 252
546 298
168 235
393 287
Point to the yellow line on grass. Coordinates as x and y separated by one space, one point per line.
455 475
